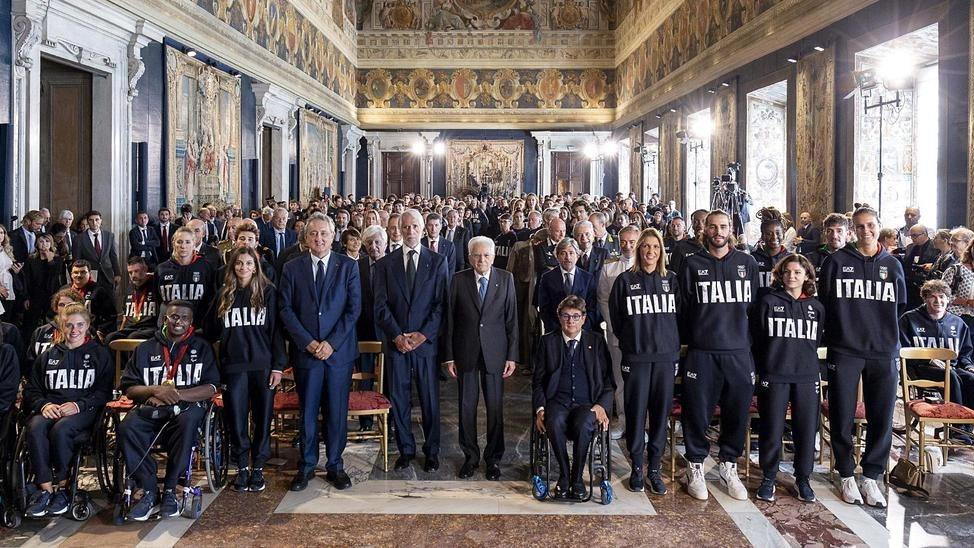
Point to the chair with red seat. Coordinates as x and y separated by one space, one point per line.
371 402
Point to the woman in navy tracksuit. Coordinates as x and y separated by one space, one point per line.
787 330
252 360
642 307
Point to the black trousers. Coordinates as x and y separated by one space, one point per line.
470 383
577 424
773 401
403 368
961 382
179 435
879 380
51 444
708 379
648 389
247 396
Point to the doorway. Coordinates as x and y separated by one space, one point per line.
65 138
400 173
570 172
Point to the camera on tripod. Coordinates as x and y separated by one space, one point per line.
731 176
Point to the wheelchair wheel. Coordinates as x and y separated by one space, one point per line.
216 445
20 475
106 448
81 510
11 518
606 491
539 488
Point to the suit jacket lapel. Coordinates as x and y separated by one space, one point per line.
330 275
473 290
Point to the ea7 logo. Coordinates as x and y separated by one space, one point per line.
703 272
625 368
635 287
779 309
691 375
157 358
848 269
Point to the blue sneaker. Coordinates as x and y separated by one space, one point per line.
59 503
145 508
38 504
169 507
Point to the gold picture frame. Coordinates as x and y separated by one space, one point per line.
318 157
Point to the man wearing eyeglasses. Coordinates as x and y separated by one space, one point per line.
920 255
572 388
171 377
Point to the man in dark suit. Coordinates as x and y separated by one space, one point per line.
455 232
572 387
321 297
143 240
919 257
165 231
544 254
480 351
23 238
410 297
558 283
590 258
203 249
603 238
437 244
809 236
374 246
97 246
278 237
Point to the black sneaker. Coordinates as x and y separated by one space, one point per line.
766 490
257 483
636 482
169 507
656 484
38 504
59 503
145 508
242 481
805 493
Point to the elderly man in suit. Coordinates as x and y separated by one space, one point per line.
566 279
278 236
572 388
410 287
97 246
210 253
480 350
374 244
321 297
590 257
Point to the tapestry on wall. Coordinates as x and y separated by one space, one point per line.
470 165
318 158
204 133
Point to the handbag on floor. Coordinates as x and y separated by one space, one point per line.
907 476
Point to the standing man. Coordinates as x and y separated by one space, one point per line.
590 258
455 232
480 351
321 297
143 241
410 297
278 237
809 235
393 233
864 293
835 229
911 216
602 237
97 246
165 230
919 258
23 238
437 244
203 249
558 283
374 247
719 284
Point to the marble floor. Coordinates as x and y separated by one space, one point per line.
414 508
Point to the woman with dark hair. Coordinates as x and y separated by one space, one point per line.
252 359
771 248
352 243
643 314
787 330
43 274
66 390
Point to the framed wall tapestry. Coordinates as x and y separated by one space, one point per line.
204 133
475 166
318 158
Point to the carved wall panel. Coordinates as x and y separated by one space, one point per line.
814 133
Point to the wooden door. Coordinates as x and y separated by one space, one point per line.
65 139
570 172
400 173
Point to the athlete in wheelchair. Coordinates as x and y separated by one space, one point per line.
171 378
66 390
572 388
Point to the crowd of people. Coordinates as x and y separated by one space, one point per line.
592 296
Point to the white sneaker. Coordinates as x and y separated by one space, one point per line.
872 493
850 491
696 484
731 481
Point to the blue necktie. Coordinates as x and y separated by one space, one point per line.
280 243
483 289
320 280
568 284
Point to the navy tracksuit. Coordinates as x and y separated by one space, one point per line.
863 298
918 329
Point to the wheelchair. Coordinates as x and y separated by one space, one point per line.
211 452
599 467
21 481
9 433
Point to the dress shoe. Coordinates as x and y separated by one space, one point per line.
467 469
561 488
339 479
403 462
577 492
493 472
432 464
300 481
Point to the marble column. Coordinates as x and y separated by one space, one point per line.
351 135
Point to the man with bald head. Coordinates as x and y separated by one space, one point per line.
919 257
203 249
544 253
911 216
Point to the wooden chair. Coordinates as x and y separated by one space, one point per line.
676 414
922 411
121 347
371 403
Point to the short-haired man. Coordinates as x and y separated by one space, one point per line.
835 235
572 390
911 216
566 279
143 240
918 259
97 246
590 258
437 244
97 299
809 236
278 236
141 315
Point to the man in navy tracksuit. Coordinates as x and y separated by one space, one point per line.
864 292
719 286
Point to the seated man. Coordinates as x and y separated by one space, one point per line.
98 300
572 388
174 369
931 326
141 304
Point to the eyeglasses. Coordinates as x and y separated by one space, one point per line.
916 235
958 240
177 318
571 317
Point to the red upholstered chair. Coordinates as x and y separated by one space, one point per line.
287 411
921 411
371 402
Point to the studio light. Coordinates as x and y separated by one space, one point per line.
896 71
439 148
610 148
591 150
818 48
419 148
792 60
701 128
